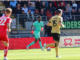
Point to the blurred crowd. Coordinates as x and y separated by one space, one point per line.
44 8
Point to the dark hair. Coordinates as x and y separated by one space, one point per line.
39 16
30 4
18 4
22 10
59 11
25 4
3 9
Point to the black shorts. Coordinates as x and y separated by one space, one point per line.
56 36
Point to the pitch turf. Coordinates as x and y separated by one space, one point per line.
37 54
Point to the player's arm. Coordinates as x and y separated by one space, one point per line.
60 22
49 23
42 25
31 27
8 25
62 25
34 24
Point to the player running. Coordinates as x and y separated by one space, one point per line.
5 22
39 26
55 22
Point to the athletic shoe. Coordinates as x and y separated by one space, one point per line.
27 47
58 56
42 49
44 46
5 58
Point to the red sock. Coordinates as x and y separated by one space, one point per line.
5 51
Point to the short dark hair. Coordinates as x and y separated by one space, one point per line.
3 9
22 10
59 11
30 4
25 4
39 16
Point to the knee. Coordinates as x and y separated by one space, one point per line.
6 44
39 39
35 41
56 44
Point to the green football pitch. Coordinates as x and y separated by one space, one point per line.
37 54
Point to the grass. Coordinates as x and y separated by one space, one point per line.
37 54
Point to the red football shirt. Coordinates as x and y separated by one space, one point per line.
4 20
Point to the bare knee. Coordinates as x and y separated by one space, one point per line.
35 41
39 39
6 44
56 43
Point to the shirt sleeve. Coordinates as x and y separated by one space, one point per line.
42 24
34 24
9 20
61 19
50 20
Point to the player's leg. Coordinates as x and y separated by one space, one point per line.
38 36
6 45
40 43
57 48
31 44
50 45
56 44
33 41
57 38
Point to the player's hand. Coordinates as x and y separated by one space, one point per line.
9 30
63 26
42 29
32 32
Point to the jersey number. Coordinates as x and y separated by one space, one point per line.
2 21
54 23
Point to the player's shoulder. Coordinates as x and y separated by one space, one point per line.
52 16
35 21
6 17
56 16
59 16
9 18
41 21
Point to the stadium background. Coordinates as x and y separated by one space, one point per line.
26 12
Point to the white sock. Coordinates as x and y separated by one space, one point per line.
5 57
